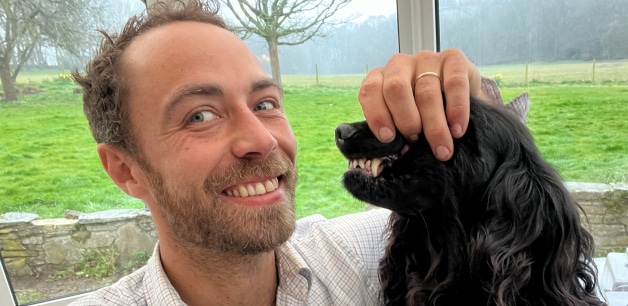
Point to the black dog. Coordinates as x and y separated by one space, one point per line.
494 225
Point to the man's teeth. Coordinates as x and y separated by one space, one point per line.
367 164
259 188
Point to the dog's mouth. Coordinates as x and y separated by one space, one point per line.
376 165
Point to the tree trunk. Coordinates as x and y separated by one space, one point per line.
274 59
10 92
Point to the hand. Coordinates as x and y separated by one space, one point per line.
392 96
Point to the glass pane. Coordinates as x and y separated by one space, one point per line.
321 78
51 174
61 217
574 67
571 57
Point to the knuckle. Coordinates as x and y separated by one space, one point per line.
452 52
393 86
397 57
425 93
375 120
425 55
455 104
372 73
455 112
409 127
368 88
436 132
456 81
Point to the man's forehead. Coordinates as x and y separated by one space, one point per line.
185 45
166 62
176 37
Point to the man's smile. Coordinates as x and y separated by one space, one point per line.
253 188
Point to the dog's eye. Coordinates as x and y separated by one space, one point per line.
264 105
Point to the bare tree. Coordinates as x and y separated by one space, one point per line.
26 25
284 22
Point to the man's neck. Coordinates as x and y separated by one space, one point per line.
201 276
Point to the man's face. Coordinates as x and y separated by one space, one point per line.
216 146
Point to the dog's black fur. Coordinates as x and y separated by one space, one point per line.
494 225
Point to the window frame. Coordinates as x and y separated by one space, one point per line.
417 25
417 30
6 290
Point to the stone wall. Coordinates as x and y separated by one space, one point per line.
606 209
33 246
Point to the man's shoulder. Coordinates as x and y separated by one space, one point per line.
361 232
338 256
373 219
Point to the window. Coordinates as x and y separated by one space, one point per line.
562 53
570 57
329 67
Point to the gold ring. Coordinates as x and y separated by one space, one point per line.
427 73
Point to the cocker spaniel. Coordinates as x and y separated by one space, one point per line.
494 225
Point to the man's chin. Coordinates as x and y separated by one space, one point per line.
240 230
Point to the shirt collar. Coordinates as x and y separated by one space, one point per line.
295 277
161 291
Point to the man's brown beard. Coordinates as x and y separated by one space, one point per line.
204 220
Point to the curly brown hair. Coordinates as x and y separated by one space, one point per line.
104 84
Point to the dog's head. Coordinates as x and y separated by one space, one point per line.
496 215
407 178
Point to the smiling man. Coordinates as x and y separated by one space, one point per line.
187 120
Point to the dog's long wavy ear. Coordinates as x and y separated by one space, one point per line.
532 239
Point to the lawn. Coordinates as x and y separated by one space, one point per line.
49 164
599 72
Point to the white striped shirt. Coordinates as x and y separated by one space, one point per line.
325 262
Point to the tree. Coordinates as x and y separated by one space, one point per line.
284 22
27 25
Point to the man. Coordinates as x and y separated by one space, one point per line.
187 120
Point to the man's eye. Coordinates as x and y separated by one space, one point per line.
201 116
265 105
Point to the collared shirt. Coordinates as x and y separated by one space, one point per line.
325 262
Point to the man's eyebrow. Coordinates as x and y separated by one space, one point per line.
266 83
213 90
193 90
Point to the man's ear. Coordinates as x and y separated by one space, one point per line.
123 170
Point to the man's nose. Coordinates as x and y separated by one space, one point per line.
252 138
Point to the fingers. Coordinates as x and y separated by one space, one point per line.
387 99
429 102
393 96
399 97
459 75
374 107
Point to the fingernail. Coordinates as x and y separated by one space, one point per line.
456 130
442 153
413 138
385 134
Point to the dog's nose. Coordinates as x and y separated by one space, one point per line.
345 131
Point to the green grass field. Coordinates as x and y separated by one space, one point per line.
600 72
48 161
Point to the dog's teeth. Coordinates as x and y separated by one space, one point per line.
353 163
367 165
405 149
362 162
375 166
